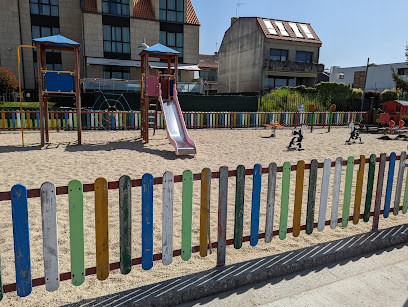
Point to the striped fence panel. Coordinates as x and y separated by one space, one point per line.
129 120
19 198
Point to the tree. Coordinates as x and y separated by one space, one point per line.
399 83
8 82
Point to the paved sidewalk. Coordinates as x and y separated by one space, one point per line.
374 279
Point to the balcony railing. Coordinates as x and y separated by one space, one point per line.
293 66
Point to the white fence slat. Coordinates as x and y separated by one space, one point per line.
167 219
324 194
336 193
270 202
398 189
50 236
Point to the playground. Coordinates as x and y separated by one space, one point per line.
102 193
113 154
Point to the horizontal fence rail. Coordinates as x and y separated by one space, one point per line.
121 120
19 196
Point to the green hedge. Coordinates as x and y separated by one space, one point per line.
333 91
389 95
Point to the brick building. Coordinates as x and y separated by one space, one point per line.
110 32
209 70
258 54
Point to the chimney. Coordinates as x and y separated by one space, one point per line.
233 20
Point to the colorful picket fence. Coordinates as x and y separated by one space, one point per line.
19 197
115 120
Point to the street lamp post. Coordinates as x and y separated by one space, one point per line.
365 80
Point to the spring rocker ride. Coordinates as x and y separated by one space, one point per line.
163 89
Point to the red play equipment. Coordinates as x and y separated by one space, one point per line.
394 110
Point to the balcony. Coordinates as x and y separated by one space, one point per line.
293 66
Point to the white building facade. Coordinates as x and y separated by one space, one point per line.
379 77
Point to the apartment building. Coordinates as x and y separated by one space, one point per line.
379 77
209 71
110 32
259 54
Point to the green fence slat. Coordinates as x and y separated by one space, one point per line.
187 215
76 229
283 225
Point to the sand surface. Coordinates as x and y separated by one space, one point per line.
113 154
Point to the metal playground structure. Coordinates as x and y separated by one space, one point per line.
163 88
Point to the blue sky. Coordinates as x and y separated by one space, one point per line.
351 30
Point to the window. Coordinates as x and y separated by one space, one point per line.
270 27
44 7
172 10
117 7
304 56
38 31
209 75
402 71
281 28
172 40
278 55
307 31
341 75
204 74
274 82
116 72
295 29
116 39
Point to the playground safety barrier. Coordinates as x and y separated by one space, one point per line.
75 190
118 120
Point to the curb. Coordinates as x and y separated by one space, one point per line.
221 279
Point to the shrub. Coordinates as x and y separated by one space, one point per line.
372 94
287 99
333 92
8 82
304 90
356 93
389 95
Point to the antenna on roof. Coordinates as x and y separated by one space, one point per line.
216 46
237 6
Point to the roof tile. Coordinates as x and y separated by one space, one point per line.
191 14
208 61
143 9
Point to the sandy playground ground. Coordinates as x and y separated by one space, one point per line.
112 154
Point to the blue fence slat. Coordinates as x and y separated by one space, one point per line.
13 119
147 221
390 181
256 204
21 240
66 119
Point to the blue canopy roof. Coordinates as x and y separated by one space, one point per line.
56 39
161 48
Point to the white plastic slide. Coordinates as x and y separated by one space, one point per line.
176 128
